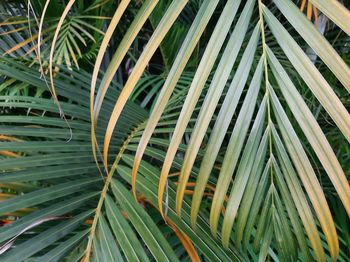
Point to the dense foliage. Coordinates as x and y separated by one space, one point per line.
192 130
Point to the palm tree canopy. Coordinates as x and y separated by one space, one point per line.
200 130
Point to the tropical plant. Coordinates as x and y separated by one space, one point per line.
203 130
20 30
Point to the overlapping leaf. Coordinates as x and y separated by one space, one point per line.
227 148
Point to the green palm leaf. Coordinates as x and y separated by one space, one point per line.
229 158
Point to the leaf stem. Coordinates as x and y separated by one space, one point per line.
105 189
267 94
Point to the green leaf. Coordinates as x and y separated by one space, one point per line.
198 26
240 182
144 225
316 40
164 25
59 209
233 153
124 234
46 194
62 249
213 95
223 121
201 237
293 214
203 70
309 73
307 175
299 198
108 245
44 239
312 131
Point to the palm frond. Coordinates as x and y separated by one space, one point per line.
233 158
